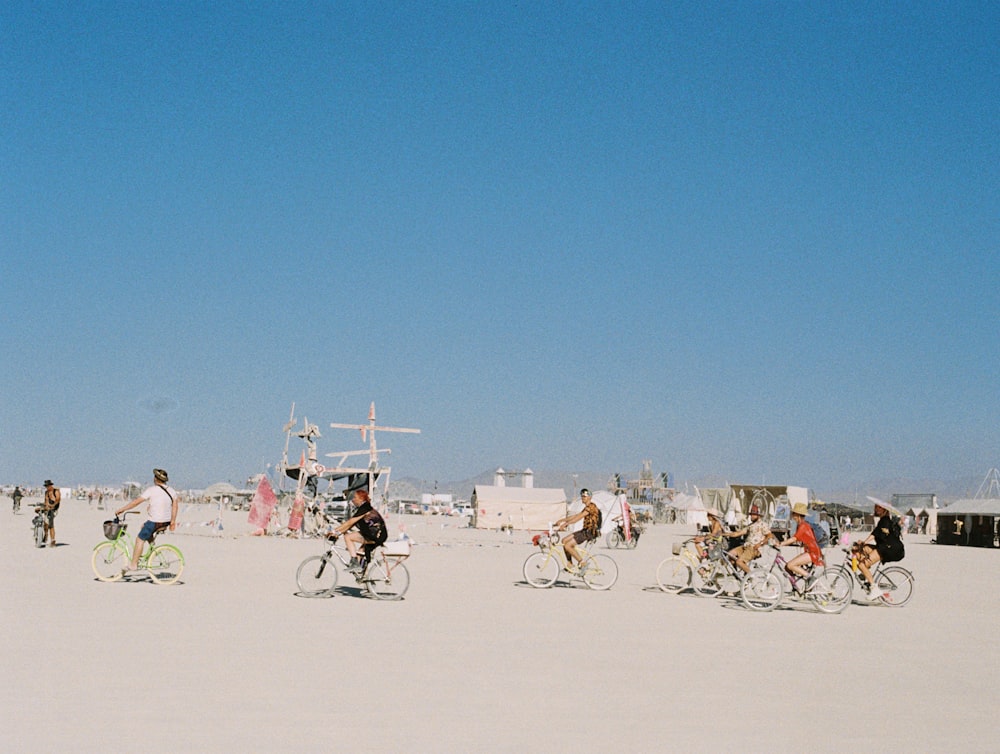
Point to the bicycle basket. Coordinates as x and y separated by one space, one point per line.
678 548
112 529
398 548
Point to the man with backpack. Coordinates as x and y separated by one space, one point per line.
887 547
591 530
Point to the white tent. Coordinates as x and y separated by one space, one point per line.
690 509
523 508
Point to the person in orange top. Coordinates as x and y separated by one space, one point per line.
805 536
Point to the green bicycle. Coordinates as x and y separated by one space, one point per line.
164 562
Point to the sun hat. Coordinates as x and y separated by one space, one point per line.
754 510
160 475
800 508
714 512
48 482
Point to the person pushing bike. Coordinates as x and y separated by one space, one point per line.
49 508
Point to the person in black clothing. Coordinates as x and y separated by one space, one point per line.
16 496
883 544
371 531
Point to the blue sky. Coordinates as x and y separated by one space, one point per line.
749 240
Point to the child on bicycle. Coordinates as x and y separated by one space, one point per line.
805 536
371 531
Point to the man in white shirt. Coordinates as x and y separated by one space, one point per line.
162 511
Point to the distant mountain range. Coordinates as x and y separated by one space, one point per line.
947 490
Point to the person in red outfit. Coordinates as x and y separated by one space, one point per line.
805 536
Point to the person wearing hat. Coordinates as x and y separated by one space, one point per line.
887 547
805 536
162 511
757 534
715 532
50 507
591 516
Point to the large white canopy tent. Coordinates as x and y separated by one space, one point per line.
522 508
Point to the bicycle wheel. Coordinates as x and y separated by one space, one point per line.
541 570
673 575
39 535
708 579
895 586
316 575
108 561
613 540
831 592
599 572
761 590
633 540
387 578
165 564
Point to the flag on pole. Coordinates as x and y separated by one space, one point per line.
262 504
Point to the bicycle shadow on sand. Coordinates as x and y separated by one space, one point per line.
139 578
559 583
342 591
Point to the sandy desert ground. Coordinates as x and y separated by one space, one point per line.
473 659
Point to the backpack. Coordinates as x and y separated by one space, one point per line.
894 551
821 529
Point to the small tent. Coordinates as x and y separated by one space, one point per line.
522 508
969 522
690 509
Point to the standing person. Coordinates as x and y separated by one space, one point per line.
887 547
591 530
16 496
371 531
162 511
50 507
757 534
805 536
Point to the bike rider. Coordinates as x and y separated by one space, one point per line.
807 538
371 531
591 530
715 532
887 547
757 534
162 512
16 496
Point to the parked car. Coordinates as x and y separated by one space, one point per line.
335 507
